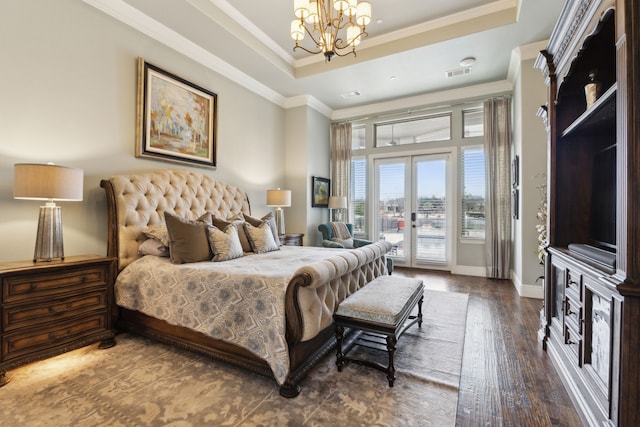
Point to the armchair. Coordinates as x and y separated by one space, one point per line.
331 241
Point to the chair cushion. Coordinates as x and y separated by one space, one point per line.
346 243
382 300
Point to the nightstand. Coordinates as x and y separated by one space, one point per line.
53 307
293 239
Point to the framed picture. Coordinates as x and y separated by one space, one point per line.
320 190
176 119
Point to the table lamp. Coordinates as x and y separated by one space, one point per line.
279 199
51 183
338 203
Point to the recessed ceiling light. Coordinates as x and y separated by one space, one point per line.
379 21
468 62
392 77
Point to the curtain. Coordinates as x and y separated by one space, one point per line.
497 146
341 161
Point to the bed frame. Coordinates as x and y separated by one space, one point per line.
137 201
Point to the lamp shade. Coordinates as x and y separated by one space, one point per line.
337 202
47 182
278 197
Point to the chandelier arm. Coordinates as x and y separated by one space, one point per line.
313 38
337 53
306 50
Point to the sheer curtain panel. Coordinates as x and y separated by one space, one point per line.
341 160
497 145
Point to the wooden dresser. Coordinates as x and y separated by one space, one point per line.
49 308
590 323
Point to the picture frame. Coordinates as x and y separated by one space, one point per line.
320 191
176 119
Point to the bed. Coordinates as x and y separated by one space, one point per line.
270 313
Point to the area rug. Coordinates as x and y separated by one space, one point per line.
144 383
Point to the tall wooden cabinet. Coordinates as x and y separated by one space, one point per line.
590 323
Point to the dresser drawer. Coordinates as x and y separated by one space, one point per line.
47 284
574 342
26 315
25 342
574 282
573 313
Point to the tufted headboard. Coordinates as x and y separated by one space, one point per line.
137 201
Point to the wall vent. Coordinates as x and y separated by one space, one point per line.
458 72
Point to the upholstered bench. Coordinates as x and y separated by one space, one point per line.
381 308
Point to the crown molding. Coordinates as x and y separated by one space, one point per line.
523 53
132 17
480 18
308 101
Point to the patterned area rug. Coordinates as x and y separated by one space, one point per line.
143 383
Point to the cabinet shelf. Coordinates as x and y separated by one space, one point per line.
604 110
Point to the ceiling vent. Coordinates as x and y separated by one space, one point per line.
458 72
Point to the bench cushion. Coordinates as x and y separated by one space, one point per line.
382 300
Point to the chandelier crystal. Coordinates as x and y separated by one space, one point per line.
336 27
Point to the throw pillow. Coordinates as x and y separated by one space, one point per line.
188 240
347 243
238 220
224 243
158 232
153 247
270 218
261 238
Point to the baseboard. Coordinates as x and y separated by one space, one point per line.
466 270
527 291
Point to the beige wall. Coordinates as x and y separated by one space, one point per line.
307 154
68 85
530 144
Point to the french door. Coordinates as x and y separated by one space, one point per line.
413 211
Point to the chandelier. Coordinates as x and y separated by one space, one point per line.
327 21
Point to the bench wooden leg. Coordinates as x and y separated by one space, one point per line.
420 312
391 369
339 354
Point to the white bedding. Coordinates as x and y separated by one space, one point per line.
239 301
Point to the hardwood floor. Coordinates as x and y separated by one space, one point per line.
507 379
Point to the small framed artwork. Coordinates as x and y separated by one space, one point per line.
320 190
515 171
176 119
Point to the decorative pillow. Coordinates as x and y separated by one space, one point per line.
225 244
238 220
188 239
270 218
347 243
260 238
153 247
158 232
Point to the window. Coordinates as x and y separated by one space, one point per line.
415 131
473 122
358 207
473 199
358 137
